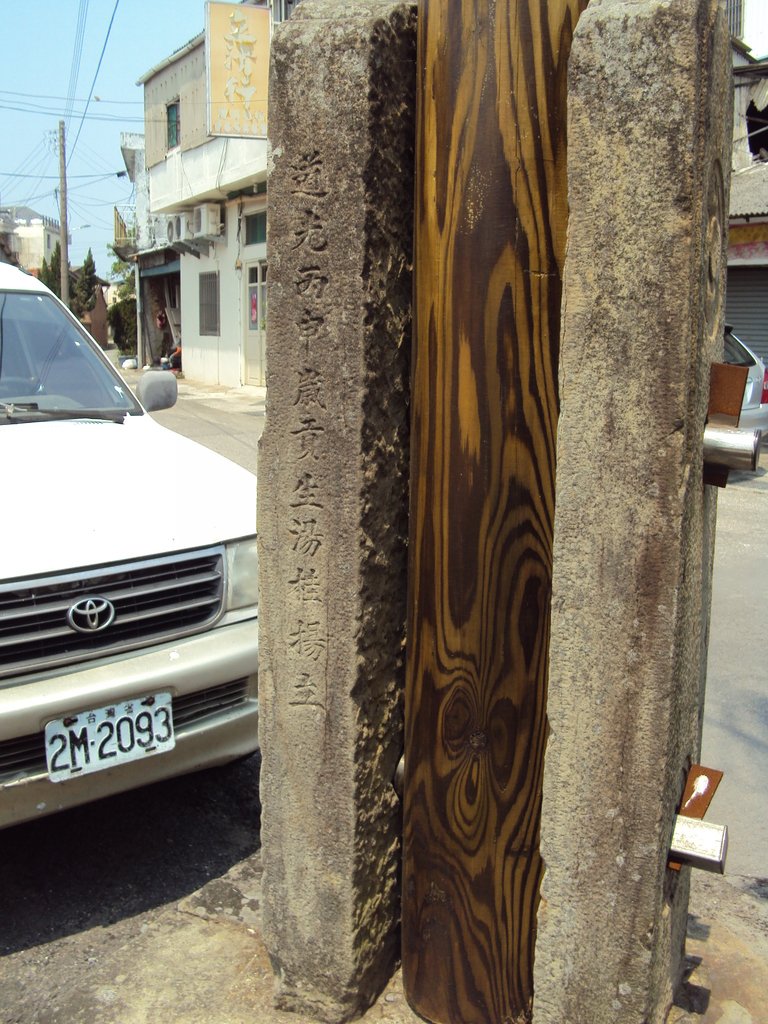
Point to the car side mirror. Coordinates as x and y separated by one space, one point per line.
157 389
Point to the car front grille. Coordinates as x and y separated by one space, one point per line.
25 755
153 600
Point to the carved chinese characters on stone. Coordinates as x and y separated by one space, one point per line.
306 535
306 175
309 432
310 390
311 273
310 233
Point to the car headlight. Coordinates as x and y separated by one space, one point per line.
242 574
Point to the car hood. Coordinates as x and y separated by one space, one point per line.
82 493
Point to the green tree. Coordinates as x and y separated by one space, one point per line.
50 273
121 315
122 274
83 297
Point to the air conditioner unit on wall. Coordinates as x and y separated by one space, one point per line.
174 228
178 228
206 221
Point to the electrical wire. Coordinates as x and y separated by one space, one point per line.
95 157
77 53
71 177
35 161
50 112
93 83
63 99
42 160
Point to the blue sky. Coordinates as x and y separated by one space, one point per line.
40 70
44 64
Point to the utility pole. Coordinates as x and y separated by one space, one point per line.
63 216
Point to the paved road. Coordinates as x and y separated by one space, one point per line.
144 908
228 420
735 737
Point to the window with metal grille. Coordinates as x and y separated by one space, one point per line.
174 124
255 228
209 303
283 9
735 11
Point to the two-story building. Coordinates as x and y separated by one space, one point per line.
34 235
747 292
9 243
205 153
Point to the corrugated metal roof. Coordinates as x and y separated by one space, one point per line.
749 191
176 55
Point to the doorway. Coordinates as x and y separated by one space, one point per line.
255 322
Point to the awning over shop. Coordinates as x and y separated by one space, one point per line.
174 267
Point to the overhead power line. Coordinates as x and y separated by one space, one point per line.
63 99
55 177
77 52
96 75
51 112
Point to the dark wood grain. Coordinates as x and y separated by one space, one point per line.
491 219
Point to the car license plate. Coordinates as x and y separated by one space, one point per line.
121 732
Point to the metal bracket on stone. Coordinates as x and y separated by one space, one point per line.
726 446
695 842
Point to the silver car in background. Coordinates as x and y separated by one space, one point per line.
754 408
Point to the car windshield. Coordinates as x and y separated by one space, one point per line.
735 352
50 368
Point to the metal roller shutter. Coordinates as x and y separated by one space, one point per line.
746 306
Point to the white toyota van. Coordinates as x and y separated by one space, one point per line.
128 575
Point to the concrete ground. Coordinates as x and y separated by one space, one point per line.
199 957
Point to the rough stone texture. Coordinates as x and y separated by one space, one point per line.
333 498
649 145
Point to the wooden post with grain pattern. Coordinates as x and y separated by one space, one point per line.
491 219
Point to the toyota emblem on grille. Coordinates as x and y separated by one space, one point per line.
91 614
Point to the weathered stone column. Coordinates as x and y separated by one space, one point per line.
648 155
333 498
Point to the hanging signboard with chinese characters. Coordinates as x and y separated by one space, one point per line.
237 69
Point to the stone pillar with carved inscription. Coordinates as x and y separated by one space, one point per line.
649 112
333 480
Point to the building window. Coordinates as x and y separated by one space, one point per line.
255 228
174 124
735 12
209 303
283 9
257 297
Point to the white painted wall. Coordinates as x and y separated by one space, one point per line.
756 27
208 172
36 241
219 360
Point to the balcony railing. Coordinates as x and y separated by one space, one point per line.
125 232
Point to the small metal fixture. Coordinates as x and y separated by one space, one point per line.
731 447
700 844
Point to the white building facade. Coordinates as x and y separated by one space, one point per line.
34 236
207 195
